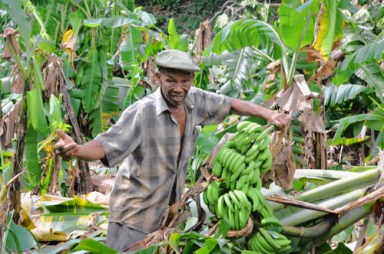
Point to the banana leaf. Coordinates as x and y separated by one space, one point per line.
69 214
96 121
31 177
368 53
250 33
36 116
293 20
175 40
330 24
14 10
91 81
93 246
18 238
334 95
111 22
374 76
128 50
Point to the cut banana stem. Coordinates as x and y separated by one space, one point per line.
361 180
304 215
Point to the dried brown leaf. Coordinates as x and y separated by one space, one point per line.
203 37
11 41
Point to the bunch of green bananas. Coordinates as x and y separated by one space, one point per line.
238 164
236 195
268 242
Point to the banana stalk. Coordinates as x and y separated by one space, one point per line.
326 174
305 215
345 220
361 180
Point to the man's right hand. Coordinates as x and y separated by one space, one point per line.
66 147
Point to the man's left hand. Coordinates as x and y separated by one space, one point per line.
280 120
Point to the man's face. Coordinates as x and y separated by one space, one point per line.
175 85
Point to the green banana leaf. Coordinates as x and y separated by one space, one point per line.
55 115
111 22
18 238
368 53
334 95
76 18
91 81
293 19
36 116
373 75
175 40
31 177
250 33
130 57
239 66
373 120
96 121
330 27
68 214
93 246
19 17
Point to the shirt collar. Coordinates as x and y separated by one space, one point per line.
162 106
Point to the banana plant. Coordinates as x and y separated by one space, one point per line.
363 48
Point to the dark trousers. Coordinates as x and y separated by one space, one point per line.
120 237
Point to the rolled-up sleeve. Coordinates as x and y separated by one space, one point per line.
122 138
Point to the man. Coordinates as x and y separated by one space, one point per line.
155 137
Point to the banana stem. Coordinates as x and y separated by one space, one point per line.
319 173
345 220
311 232
305 215
343 185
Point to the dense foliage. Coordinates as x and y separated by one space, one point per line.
75 65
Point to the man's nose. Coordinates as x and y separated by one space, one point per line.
179 87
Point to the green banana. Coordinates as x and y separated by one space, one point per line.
266 132
228 202
253 127
254 197
221 207
264 243
254 148
249 168
264 155
237 162
241 182
272 222
252 157
217 168
237 172
266 164
265 143
242 125
260 245
243 199
205 197
230 156
235 200
269 239
245 187
250 178
236 219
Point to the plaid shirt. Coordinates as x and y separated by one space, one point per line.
146 139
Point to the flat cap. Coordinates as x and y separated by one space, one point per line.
176 59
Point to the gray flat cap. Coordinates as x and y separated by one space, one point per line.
176 59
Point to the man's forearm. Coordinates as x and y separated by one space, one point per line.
246 108
90 151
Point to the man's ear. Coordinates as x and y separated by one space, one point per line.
158 75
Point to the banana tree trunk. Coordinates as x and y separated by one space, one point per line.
17 167
83 183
